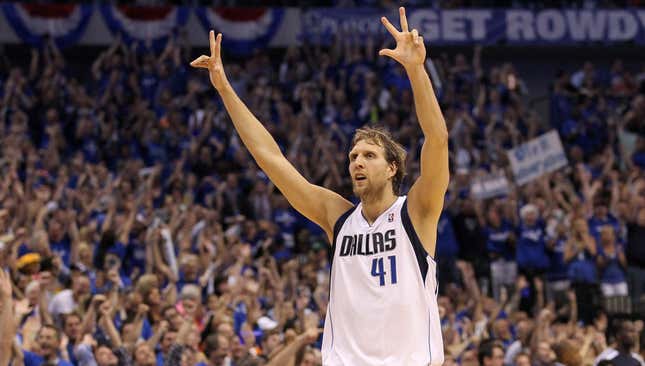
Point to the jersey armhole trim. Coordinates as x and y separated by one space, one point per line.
337 226
419 251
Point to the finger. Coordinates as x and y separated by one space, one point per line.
420 41
218 44
404 20
386 52
201 61
390 28
211 39
415 36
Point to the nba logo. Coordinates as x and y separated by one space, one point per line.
390 217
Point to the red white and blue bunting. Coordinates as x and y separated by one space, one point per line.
148 25
32 23
244 29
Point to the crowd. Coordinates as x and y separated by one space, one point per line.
136 229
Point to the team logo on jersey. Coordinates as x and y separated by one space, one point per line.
390 217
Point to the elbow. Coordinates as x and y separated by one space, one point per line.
440 139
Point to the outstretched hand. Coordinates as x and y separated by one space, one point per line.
213 62
410 50
5 285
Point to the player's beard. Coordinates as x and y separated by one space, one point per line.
369 191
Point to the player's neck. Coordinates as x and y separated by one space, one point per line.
373 206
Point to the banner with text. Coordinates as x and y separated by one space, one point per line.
537 157
484 26
489 186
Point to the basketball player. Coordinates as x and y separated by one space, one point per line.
383 306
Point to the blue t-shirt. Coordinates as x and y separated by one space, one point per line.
447 246
639 159
148 86
613 272
286 220
135 257
596 225
146 328
70 352
32 359
557 267
63 249
582 268
497 240
531 251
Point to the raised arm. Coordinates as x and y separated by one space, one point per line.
318 204
7 328
427 193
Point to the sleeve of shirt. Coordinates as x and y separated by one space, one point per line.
638 358
32 359
512 351
84 355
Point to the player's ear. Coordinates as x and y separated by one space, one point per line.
392 169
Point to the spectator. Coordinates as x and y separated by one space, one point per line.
67 301
500 238
532 260
622 354
579 253
490 354
48 340
635 255
612 263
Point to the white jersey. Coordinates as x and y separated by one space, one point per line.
383 294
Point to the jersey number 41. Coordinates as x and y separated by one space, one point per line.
378 270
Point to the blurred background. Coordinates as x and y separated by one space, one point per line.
135 227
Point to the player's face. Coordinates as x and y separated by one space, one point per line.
369 170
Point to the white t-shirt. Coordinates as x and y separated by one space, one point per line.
62 303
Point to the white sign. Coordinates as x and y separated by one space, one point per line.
489 186
537 157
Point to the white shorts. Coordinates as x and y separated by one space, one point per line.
614 289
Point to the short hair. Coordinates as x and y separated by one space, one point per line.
75 313
567 353
521 354
211 344
394 152
191 292
49 326
486 349
269 333
146 283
